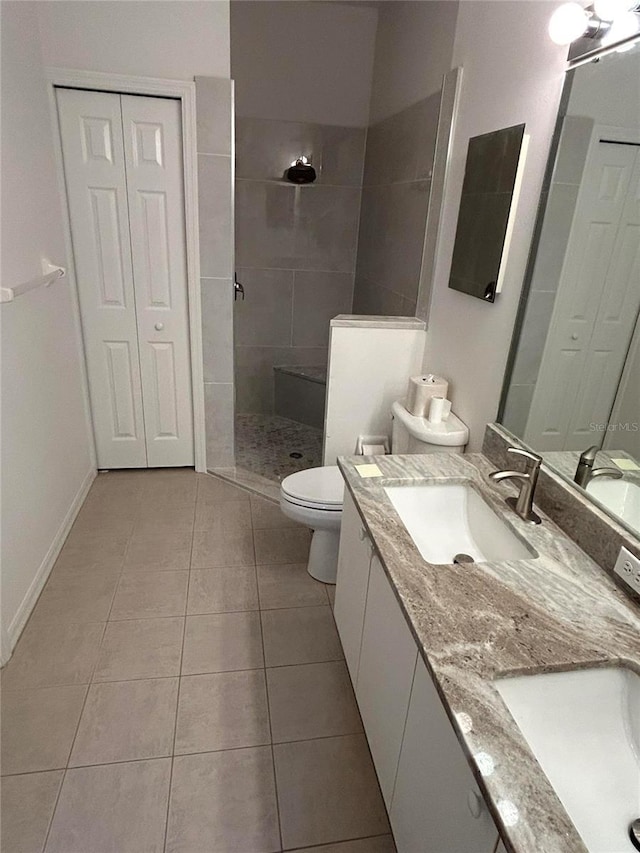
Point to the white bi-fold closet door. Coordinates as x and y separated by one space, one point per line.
123 171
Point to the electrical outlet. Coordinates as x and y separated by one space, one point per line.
628 568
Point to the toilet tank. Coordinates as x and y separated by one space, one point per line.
411 434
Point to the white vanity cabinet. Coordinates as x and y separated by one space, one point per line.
432 798
352 581
436 803
387 662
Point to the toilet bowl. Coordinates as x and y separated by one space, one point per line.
314 498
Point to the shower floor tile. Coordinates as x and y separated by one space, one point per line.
265 444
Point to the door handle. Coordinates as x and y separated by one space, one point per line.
159 327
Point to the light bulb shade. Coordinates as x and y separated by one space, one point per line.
609 10
623 27
568 23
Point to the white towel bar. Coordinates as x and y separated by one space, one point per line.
51 274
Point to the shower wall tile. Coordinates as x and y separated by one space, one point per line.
265 224
264 318
266 149
214 116
534 332
295 247
372 298
254 373
517 408
317 298
326 231
428 134
561 205
219 414
214 98
303 228
395 200
215 207
216 296
573 149
392 235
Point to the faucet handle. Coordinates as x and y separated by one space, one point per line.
529 455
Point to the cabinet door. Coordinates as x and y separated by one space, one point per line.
387 662
435 787
352 581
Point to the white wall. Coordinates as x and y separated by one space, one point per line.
370 362
512 73
174 39
303 61
45 443
414 44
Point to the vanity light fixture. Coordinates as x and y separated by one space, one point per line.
568 23
605 23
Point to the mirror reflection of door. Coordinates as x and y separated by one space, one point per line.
597 303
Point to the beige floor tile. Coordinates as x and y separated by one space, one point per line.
328 791
222 642
300 635
225 710
267 514
223 802
221 517
140 648
222 590
117 808
311 701
285 585
147 594
126 720
93 552
76 598
38 727
379 844
155 513
213 490
290 545
170 490
27 806
153 548
54 653
222 548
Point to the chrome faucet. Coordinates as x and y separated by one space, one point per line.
523 504
585 472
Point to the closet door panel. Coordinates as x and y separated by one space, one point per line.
93 154
153 156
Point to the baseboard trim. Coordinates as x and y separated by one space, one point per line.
9 638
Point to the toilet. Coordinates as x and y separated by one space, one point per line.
314 497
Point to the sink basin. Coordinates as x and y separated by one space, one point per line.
584 729
448 519
620 497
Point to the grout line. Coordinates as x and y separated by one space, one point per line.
179 691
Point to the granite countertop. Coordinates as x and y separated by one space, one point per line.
475 623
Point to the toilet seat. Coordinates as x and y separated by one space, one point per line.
316 488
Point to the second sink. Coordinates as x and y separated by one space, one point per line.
449 519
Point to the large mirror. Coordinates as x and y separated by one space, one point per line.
573 381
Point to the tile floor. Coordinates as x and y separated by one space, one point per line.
264 444
180 686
